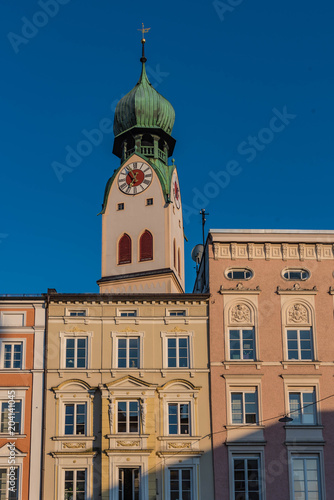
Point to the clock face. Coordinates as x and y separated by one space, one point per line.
135 178
176 191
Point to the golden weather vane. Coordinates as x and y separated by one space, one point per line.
143 31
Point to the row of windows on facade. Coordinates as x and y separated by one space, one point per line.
241 346
148 202
145 250
247 482
288 274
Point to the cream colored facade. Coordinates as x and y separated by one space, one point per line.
155 446
163 219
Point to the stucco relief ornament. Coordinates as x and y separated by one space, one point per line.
143 411
298 314
240 314
111 415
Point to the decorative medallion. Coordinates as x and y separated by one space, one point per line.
240 314
298 314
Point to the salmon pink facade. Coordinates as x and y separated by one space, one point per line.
272 362
22 330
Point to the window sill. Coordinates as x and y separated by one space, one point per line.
74 437
303 427
230 427
299 362
13 436
242 362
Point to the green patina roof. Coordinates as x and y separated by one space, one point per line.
143 107
163 171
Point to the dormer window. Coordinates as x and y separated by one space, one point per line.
295 274
239 274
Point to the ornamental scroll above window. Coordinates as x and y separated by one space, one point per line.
241 332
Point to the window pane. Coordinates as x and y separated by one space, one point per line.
69 419
248 344
309 408
183 353
294 403
69 353
171 353
121 353
184 418
172 418
81 419
251 408
236 400
121 416
134 353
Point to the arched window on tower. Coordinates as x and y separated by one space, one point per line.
174 253
146 246
124 249
179 262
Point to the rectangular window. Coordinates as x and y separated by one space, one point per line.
180 484
120 206
75 484
178 352
10 417
246 473
306 480
127 416
128 352
179 418
128 484
12 352
75 419
302 408
242 344
300 344
76 353
5 493
244 407
174 313
149 201
78 313
128 314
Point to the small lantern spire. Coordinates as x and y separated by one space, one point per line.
143 31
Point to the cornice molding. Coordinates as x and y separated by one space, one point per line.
240 288
296 289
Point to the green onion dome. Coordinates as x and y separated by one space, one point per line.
143 107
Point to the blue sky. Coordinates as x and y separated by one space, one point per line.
252 87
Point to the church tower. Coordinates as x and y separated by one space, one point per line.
142 224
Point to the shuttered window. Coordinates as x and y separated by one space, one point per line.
124 249
146 246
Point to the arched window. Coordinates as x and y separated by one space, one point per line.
179 262
146 246
124 250
174 253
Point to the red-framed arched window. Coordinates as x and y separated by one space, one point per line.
146 246
174 253
124 249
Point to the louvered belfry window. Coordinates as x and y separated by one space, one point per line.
146 246
124 250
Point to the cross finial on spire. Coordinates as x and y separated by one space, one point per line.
143 31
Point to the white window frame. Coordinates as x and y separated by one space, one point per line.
75 335
301 392
302 383
243 391
73 392
295 269
65 463
182 463
167 335
170 310
229 324
20 395
19 456
241 329
298 329
287 324
75 471
69 310
13 313
128 401
231 269
126 335
120 461
178 404
121 310
76 403
2 351
240 383
244 452
179 469
314 453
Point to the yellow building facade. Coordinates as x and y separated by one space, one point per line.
127 394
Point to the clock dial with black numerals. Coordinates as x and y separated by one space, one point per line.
135 178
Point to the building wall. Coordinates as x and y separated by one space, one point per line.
104 451
272 299
22 323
